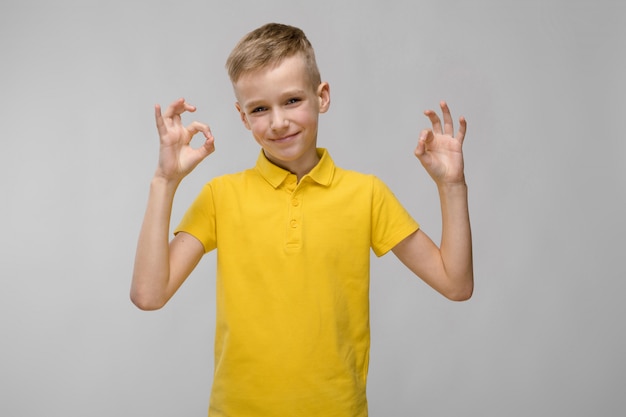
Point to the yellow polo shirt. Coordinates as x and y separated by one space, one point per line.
293 261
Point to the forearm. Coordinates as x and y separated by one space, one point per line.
152 267
456 238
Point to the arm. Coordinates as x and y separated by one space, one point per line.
448 268
162 266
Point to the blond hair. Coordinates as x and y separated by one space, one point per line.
267 46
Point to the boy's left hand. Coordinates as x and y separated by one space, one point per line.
440 150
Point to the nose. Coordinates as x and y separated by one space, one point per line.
279 120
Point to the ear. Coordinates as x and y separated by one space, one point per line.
323 95
243 116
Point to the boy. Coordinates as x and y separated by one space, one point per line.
293 238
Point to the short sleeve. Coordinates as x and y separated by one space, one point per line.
199 219
391 222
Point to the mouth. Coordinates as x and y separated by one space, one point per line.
285 138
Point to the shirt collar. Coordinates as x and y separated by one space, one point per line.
322 173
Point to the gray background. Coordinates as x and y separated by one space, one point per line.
542 86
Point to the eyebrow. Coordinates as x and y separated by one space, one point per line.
253 104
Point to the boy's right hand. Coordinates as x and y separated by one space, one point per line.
176 157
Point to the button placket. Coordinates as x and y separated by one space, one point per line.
294 226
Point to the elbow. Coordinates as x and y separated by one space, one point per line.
461 292
462 295
145 303
145 295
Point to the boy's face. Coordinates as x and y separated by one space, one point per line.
281 109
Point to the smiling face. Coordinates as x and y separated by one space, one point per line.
280 106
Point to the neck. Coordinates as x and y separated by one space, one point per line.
299 167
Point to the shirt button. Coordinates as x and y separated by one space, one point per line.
293 223
295 203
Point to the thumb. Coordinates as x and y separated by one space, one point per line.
207 148
426 136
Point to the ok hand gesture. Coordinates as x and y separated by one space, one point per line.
440 150
176 157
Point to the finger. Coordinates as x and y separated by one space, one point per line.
207 148
177 108
159 120
462 129
209 145
426 136
448 126
434 120
196 127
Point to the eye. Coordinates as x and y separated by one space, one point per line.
293 100
258 109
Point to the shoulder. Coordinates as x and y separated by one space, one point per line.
233 179
225 184
358 179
